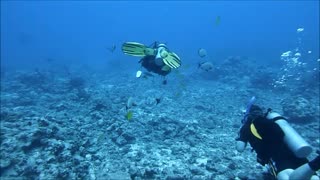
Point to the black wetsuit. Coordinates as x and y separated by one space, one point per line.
149 63
271 146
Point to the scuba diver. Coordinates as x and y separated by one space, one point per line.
156 58
277 145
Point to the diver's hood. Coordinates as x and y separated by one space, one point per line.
161 45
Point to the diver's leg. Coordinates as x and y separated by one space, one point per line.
284 174
302 172
305 171
315 166
315 163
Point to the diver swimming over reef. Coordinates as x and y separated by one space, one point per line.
156 58
277 145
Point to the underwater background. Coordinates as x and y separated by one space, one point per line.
72 107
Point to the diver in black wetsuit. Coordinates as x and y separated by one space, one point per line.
155 64
277 145
155 58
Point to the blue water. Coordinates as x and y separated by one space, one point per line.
80 32
72 109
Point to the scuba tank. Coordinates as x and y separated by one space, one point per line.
292 138
162 52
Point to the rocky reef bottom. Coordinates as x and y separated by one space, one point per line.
177 131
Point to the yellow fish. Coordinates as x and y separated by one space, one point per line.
129 115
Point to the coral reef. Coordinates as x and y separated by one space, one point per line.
174 133
300 110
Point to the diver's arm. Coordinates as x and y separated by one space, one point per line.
303 172
242 138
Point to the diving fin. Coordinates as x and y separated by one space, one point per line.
165 68
136 49
172 60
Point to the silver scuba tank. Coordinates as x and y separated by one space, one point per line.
292 138
158 59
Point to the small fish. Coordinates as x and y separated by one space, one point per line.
164 82
158 100
202 52
112 48
206 66
49 60
218 19
129 115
